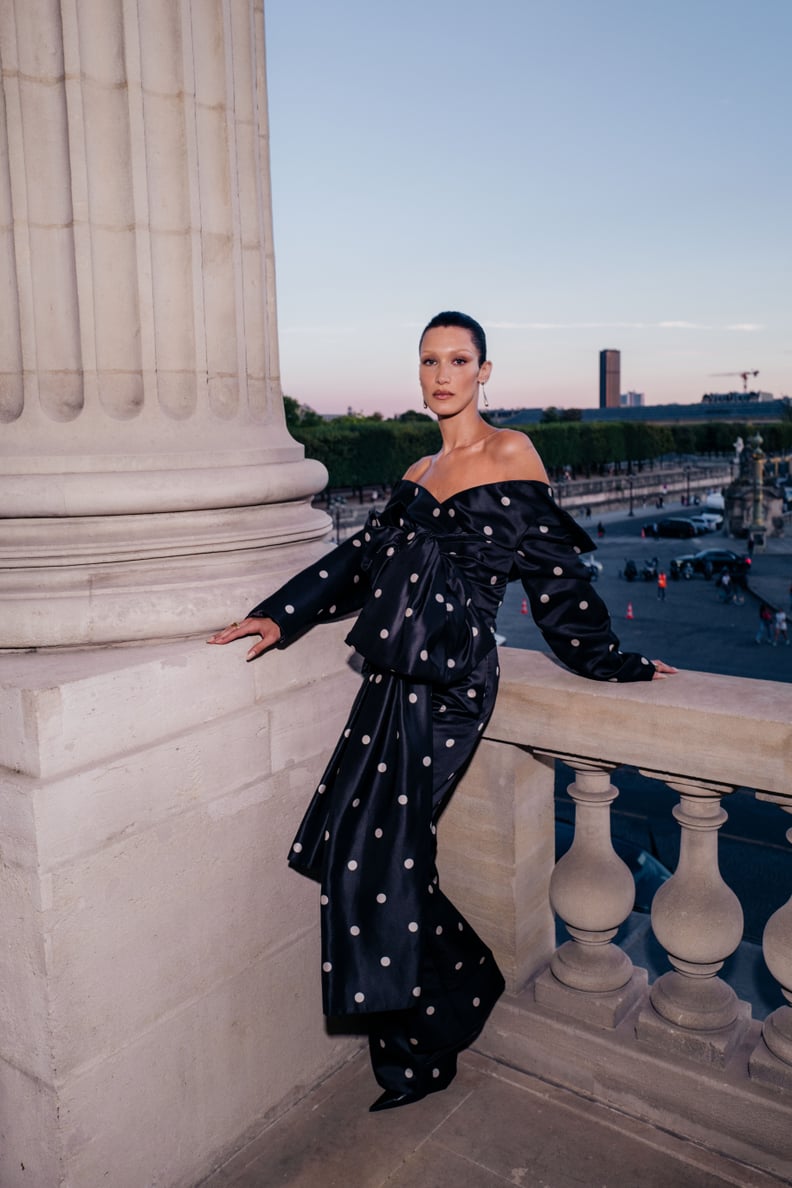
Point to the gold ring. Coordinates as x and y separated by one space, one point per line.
235 624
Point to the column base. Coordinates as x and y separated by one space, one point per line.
706 1047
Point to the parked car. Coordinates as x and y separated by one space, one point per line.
713 518
708 562
673 526
701 524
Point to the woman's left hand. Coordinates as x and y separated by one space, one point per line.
663 670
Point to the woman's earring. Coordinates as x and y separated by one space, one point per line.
425 404
484 395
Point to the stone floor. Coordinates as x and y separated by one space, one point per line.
493 1126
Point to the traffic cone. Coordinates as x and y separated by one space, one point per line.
630 614
524 607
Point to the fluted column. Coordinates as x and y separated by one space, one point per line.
698 920
146 471
593 892
772 1059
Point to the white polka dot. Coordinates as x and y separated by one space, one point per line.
322 573
427 761
324 900
408 1072
332 610
424 654
327 966
461 926
378 678
356 802
382 897
575 643
410 535
366 739
439 597
382 767
505 500
441 709
436 511
612 679
543 528
360 997
644 660
494 579
352 865
557 570
408 863
384 633
358 544
378 593
436 1071
439 930
575 547
382 1043
416 491
402 799
297 847
450 663
408 613
487 530
474 631
413 578
354 930
450 742
550 492
412 926
430 1010
451 511
289 609
385 961
416 991
327 832
612 648
458 965
367 536
378 833
389 552
412 698
449 607
584 605
476 1002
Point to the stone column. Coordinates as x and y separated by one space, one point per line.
145 472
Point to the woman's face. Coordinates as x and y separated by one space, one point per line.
449 369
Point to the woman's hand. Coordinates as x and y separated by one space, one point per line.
268 629
662 670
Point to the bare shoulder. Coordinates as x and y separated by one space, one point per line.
514 454
415 472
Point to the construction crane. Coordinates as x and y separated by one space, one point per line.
743 375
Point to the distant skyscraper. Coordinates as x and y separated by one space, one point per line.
632 399
610 379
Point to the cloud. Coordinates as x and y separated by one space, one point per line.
746 327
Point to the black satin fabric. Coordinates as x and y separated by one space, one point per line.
428 578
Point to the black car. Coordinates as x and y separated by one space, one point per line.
673 526
708 562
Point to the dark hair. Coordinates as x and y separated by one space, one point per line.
452 317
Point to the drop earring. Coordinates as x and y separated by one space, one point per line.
484 396
425 404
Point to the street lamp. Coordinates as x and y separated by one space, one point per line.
687 476
336 503
630 488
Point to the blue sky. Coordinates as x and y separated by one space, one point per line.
577 174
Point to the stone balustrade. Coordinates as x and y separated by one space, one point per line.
685 1051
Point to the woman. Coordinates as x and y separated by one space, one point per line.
428 575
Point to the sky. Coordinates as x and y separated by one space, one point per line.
576 174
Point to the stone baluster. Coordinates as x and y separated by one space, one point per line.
698 920
771 1061
593 892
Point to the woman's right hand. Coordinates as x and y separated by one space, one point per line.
268 629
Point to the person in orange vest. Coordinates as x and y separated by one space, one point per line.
662 583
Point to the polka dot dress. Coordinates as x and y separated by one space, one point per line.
427 578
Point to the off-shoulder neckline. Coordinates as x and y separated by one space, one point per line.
546 487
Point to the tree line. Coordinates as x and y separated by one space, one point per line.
370 451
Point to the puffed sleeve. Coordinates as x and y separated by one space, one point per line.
334 586
570 614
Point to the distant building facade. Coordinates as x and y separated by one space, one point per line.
737 398
631 400
610 379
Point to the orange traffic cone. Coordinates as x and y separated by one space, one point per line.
630 614
524 607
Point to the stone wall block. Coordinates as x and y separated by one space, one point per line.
24 991
30 1150
219 1065
11 387
292 719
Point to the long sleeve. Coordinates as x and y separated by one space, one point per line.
570 614
334 586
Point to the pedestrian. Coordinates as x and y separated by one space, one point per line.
396 953
725 583
790 597
751 543
766 632
662 583
780 628
600 529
